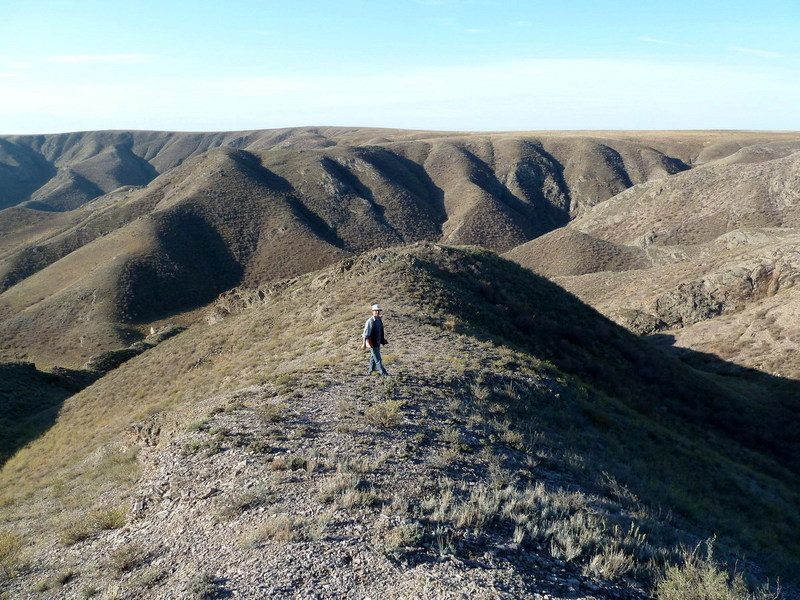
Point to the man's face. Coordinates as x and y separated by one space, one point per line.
376 313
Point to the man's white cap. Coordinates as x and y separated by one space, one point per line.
376 307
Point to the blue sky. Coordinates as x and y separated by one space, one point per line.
417 64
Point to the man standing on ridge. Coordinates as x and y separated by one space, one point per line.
372 339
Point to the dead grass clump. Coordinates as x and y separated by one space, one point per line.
77 531
452 437
400 539
258 447
385 414
513 439
102 519
398 506
204 586
358 498
610 563
10 555
126 558
149 577
273 412
337 485
560 520
445 459
360 464
105 519
480 392
233 505
57 581
293 462
191 447
280 528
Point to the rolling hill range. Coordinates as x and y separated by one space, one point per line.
509 456
107 233
594 337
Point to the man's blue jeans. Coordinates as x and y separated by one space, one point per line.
376 362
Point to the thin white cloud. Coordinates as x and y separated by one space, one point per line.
446 22
10 63
755 51
650 40
477 31
94 59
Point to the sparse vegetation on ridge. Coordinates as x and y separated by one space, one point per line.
502 437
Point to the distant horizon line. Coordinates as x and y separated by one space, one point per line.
403 129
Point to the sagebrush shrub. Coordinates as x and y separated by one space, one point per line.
701 578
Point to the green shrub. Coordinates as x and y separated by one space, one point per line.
201 425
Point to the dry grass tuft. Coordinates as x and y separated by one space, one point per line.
337 485
11 561
233 505
385 414
400 539
126 558
280 528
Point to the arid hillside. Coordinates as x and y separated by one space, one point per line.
184 411
708 258
525 446
108 233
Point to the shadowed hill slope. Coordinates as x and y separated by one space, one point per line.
258 420
30 401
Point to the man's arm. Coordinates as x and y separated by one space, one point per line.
365 337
